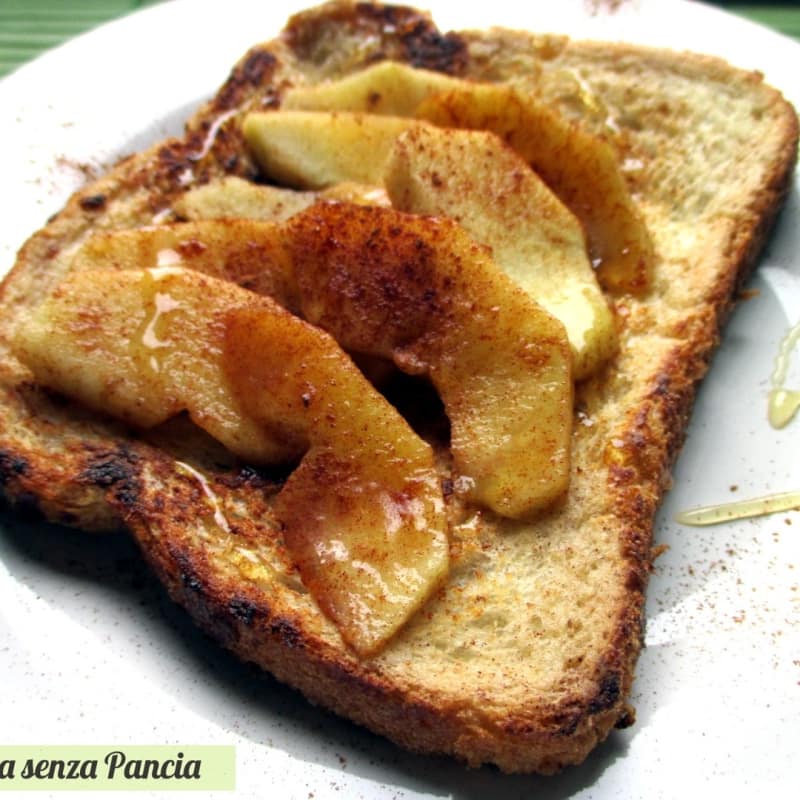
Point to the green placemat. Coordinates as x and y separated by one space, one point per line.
28 27
785 19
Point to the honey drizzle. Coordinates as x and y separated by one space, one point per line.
211 136
740 509
159 305
782 406
212 500
783 403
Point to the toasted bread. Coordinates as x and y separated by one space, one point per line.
525 658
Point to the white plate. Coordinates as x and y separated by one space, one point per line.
90 650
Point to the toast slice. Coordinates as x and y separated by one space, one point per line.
525 657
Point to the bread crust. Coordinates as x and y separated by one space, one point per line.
550 712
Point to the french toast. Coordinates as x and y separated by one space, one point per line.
524 658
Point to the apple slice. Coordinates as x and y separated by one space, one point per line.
387 87
233 197
579 167
145 345
477 180
313 150
419 290
363 515
246 252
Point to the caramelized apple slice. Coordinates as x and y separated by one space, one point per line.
474 178
363 514
144 345
420 291
247 252
388 87
233 197
312 150
580 168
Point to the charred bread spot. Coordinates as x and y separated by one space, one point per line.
215 618
127 494
107 469
192 582
428 49
232 621
607 695
187 574
117 472
254 71
562 724
626 719
173 161
230 618
12 466
93 202
286 633
179 164
168 171
243 610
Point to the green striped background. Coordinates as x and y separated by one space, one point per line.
786 18
27 27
